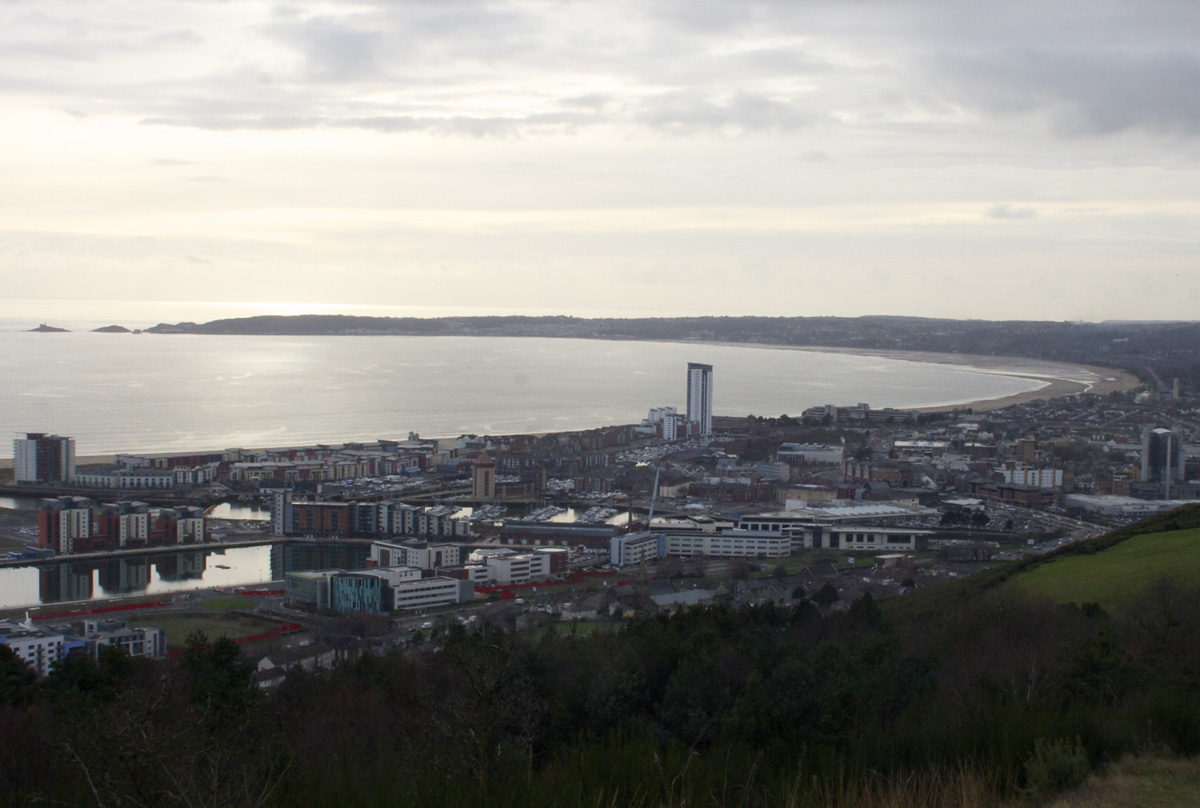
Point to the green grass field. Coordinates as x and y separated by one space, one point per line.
179 626
1139 783
1119 573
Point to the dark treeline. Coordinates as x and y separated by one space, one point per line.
983 697
1168 349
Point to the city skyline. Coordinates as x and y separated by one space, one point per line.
1013 161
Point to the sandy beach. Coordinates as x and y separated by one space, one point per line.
1060 378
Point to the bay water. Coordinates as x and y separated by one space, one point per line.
148 392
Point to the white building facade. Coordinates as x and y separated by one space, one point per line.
700 397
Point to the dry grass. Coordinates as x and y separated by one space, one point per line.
1139 782
964 788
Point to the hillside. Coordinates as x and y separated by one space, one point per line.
1117 574
959 594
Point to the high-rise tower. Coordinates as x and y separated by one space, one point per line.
700 397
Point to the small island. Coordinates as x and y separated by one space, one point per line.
111 329
48 329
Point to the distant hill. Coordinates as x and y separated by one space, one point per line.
48 329
1150 351
111 329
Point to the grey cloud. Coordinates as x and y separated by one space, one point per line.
1085 94
596 101
690 111
1006 211
331 49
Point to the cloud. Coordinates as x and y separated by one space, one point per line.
1005 211
1085 94
330 49
689 111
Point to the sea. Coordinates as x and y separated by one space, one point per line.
158 393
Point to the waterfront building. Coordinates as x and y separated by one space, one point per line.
700 398
119 477
282 523
557 534
126 524
42 458
62 521
72 525
422 555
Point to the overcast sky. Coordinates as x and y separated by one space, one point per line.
991 159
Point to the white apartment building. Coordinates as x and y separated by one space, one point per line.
729 544
1038 478
36 648
63 520
118 478
133 527
42 458
634 548
426 593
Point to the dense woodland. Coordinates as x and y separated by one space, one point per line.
1165 350
959 695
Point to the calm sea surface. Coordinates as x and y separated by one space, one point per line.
124 392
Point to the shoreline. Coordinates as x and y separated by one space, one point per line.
1108 380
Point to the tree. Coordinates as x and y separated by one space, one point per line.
780 572
980 519
16 677
827 595
799 594
216 677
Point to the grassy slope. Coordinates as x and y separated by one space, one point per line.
1119 573
942 598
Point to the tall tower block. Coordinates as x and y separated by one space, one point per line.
700 397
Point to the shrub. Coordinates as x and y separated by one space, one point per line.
1055 766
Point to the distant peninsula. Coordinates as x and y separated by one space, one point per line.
1153 351
48 329
111 329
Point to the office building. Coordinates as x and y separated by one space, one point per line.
700 398
1162 459
35 647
